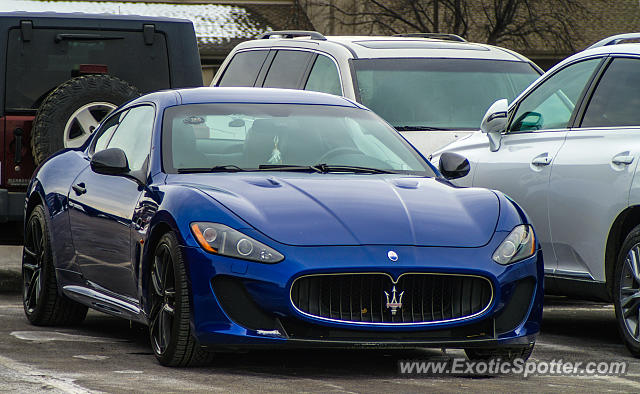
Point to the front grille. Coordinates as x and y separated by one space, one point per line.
368 298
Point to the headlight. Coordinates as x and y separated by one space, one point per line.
223 240
519 244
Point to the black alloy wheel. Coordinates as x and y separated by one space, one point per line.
164 299
43 304
169 317
33 256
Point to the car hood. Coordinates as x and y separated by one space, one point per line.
332 209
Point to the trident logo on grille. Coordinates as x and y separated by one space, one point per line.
395 303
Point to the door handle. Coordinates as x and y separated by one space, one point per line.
622 159
541 161
79 189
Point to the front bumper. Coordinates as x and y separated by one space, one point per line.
11 206
240 303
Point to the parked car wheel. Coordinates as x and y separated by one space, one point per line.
509 354
43 305
169 328
68 116
626 291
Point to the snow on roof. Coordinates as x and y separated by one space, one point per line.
214 24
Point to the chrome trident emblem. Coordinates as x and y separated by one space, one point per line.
394 304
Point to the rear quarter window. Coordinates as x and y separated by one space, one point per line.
243 69
53 56
288 69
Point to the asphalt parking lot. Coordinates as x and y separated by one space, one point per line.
107 354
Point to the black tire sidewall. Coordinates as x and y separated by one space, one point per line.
47 271
56 110
182 316
632 239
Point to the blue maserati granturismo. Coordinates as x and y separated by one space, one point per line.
226 218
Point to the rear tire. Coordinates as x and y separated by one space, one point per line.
70 113
507 354
626 292
43 304
170 333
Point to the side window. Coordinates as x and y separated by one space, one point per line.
287 69
133 136
243 68
551 104
324 77
106 131
616 100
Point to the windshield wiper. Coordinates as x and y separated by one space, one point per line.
340 168
225 168
420 128
322 168
284 167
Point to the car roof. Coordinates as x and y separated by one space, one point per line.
392 47
250 96
616 50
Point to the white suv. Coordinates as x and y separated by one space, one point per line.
567 150
421 82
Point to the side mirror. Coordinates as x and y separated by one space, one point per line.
110 161
495 122
453 165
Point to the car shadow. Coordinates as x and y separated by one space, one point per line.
582 320
579 321
350 363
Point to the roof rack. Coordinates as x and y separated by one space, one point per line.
613 40
314 35
439 36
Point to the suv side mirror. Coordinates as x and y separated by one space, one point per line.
495 122
453 165
112 161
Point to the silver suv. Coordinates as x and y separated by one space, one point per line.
567 150
420 82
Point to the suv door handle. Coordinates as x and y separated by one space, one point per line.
79 189
541 160
622 159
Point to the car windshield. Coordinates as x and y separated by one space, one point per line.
283 137
448 94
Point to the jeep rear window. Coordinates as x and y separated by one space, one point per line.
52 56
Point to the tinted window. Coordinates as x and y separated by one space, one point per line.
616 101
438 93
324 77
287 69
52 57
282 134
133 136
243 68
551 104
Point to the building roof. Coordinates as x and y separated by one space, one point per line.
218 27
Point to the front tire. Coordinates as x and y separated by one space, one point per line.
43 304
170 333
626 291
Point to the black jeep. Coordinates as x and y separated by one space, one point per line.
64 72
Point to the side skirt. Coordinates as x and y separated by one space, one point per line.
105 303
576 288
